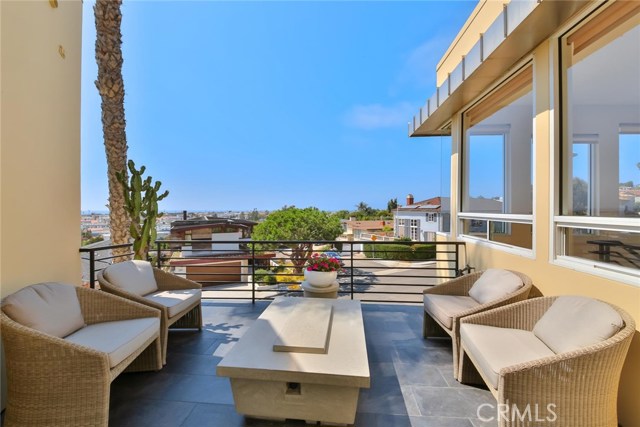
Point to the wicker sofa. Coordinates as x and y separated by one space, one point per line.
64 345
559 356
178 299
447 303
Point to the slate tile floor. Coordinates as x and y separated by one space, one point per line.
411 378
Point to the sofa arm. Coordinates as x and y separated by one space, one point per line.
520 315
167 281
98 307
557 383
29 352
458 287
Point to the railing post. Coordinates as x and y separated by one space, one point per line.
159 252
253 271
92 269
351 269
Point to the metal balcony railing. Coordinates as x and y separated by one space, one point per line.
373 271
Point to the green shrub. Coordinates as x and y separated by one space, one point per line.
264 277
424 251
399 252
389 251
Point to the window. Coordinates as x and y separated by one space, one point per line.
598 221
413 224
497 177
401 231
430 217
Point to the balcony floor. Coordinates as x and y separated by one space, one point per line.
411 378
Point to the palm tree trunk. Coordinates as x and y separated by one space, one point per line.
111 87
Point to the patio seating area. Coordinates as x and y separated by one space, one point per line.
412 381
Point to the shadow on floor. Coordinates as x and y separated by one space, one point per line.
411 378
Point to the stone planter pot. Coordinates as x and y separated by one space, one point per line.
320 278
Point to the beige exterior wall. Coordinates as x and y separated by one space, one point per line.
480 19
40 144
548 278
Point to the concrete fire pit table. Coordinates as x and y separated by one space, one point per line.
303 358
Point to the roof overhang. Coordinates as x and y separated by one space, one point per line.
521 27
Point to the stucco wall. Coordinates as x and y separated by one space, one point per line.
550 279
40 144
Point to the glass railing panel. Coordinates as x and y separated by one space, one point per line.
493 36
456 77
473 59
517 11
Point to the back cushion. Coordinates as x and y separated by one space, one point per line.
133 276
573 322
494 284
52 308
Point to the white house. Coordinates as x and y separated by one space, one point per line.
420 221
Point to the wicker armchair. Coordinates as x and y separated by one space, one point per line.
186 314
433 327
576 388
53 381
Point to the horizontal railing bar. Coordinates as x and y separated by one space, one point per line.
363 273
101 248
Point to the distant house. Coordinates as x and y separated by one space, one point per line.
207 229
211 249
420 221
364 230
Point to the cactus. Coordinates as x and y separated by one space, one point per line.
141 203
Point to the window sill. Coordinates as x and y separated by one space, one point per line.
606 271
514 250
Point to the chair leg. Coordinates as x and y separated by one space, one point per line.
431 328
467 372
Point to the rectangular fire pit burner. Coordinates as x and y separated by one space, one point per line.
302 359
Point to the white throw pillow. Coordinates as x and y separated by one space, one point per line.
52 308
133 276
494 284
573 322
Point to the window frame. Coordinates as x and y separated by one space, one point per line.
527 219
414 226
558 136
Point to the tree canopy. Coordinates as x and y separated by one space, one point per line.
291 223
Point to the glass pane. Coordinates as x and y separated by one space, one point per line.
603 101
629 178
498 161
486 172
582 177
611 247
512 234
474 227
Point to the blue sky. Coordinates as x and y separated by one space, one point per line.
242 105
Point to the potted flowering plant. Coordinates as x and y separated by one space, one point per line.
321 270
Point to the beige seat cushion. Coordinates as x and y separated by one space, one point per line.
573 322
496 348
446 307
494 284
176 301
133 276
52 308
118 339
